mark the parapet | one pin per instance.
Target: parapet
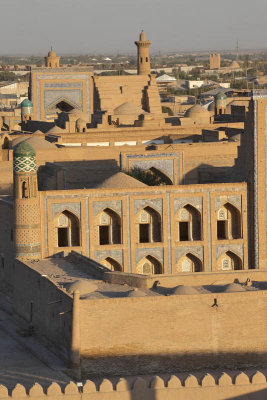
(222, 385)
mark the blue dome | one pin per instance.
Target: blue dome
(26, 103)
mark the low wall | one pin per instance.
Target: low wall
(44, 305)
(240, 387)
(147, 281)
(160, 334)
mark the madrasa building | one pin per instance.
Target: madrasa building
(72, 183)
(134, 245)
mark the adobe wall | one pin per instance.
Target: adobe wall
(207, 387)
(40, 302)
(157, 334)
(7, 249)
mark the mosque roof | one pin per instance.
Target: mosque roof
(52, 54)
(196, 110)
(55, 129)
(35, 141)
(24, 149)
(128, 108)
(120, 180)
(26, 103)
(184, 290)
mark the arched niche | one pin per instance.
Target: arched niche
(228, 222)
(109, 227)
(149, 265)
(112, 264)
(189, 263)
(160, 177)
(67, 229)
(149, 225)
(189, 224)
(229, 261)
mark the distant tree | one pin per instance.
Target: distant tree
(151, 177)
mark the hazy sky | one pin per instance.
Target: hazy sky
(96, 26)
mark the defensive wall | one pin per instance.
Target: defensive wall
(205, 387)
(153, 334)
(159, 334)
(44, 305)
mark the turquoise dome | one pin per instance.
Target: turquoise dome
(220, 96)
(24, 149)
(26, 103)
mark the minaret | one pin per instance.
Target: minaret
(143, 59)
(26, 112)
(27, 206)
(52, 61)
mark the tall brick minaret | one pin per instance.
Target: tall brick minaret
(143, 59)
(27, 205)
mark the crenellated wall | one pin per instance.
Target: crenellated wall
(207, 387)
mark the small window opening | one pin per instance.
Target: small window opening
(144, 233)
(63, 239)
(184, 231)
(103, 234)
(222, 230)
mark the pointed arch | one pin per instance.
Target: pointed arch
(228, 222)
(109, 227)
(68, 229)
(112, 264)
(149, 225)
(189, 223)
(149, 265)
(189, 263)
(229, 261)
(160, 177)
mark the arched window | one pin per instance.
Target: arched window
(146, 59)
(189, 224)
(68, 230)
(109, 227)
(189, 263)
(228, 223)
(149, 226)
(111, 264)
(149, 266)
(229, 262)
(24, 190)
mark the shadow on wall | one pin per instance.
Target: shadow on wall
(258, 395)
(206, 173)
(143, 364)
(75, 174)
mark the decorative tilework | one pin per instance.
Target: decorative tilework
(234, 248)
(24, 164)
(181, 202)
(165, 166)
(75, 208)
(117, 255)
(99, 206)
(156, 252)
(153, 203)
(234, 200)
(195, 250)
